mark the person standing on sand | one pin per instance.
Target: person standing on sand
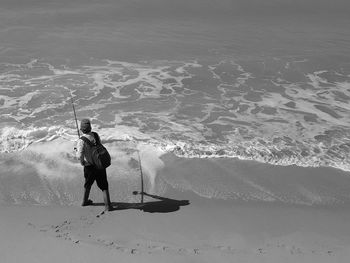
(91, 172)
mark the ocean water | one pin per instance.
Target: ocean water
(221, 80)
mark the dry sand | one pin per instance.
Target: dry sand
(203, 231)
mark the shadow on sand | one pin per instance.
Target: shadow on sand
(164, 205)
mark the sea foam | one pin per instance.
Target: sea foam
(277, 111)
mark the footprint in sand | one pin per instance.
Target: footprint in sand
(134, 251)
(63, 231)
(261, 251)
(295, 250)
(196, 251)
(230, 250)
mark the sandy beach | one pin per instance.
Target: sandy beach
(182, 228)
(197, 233)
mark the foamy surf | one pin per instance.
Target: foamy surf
(47, 172)
(276, 111)
(293, 111)
(280, 151)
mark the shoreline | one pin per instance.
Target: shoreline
(234, 179)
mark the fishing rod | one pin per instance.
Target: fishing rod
(75, 115)
(142, 193)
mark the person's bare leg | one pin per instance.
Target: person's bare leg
(107, 201)
(86, 200)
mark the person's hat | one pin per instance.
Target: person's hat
(85, 125)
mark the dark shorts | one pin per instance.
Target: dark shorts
(91, 174)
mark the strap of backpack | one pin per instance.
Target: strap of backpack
(97, 139)
(87, 140)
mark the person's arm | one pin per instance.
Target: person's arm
(80, 151)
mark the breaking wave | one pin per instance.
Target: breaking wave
(336, 156)
(278, 151)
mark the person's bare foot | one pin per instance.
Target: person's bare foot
(109, 208)
(86, 203)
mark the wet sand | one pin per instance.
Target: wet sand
(203, 231)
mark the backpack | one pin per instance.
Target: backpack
(98, 154)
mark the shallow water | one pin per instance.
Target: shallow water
(267, 81)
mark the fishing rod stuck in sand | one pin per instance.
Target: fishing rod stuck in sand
(141, 174)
